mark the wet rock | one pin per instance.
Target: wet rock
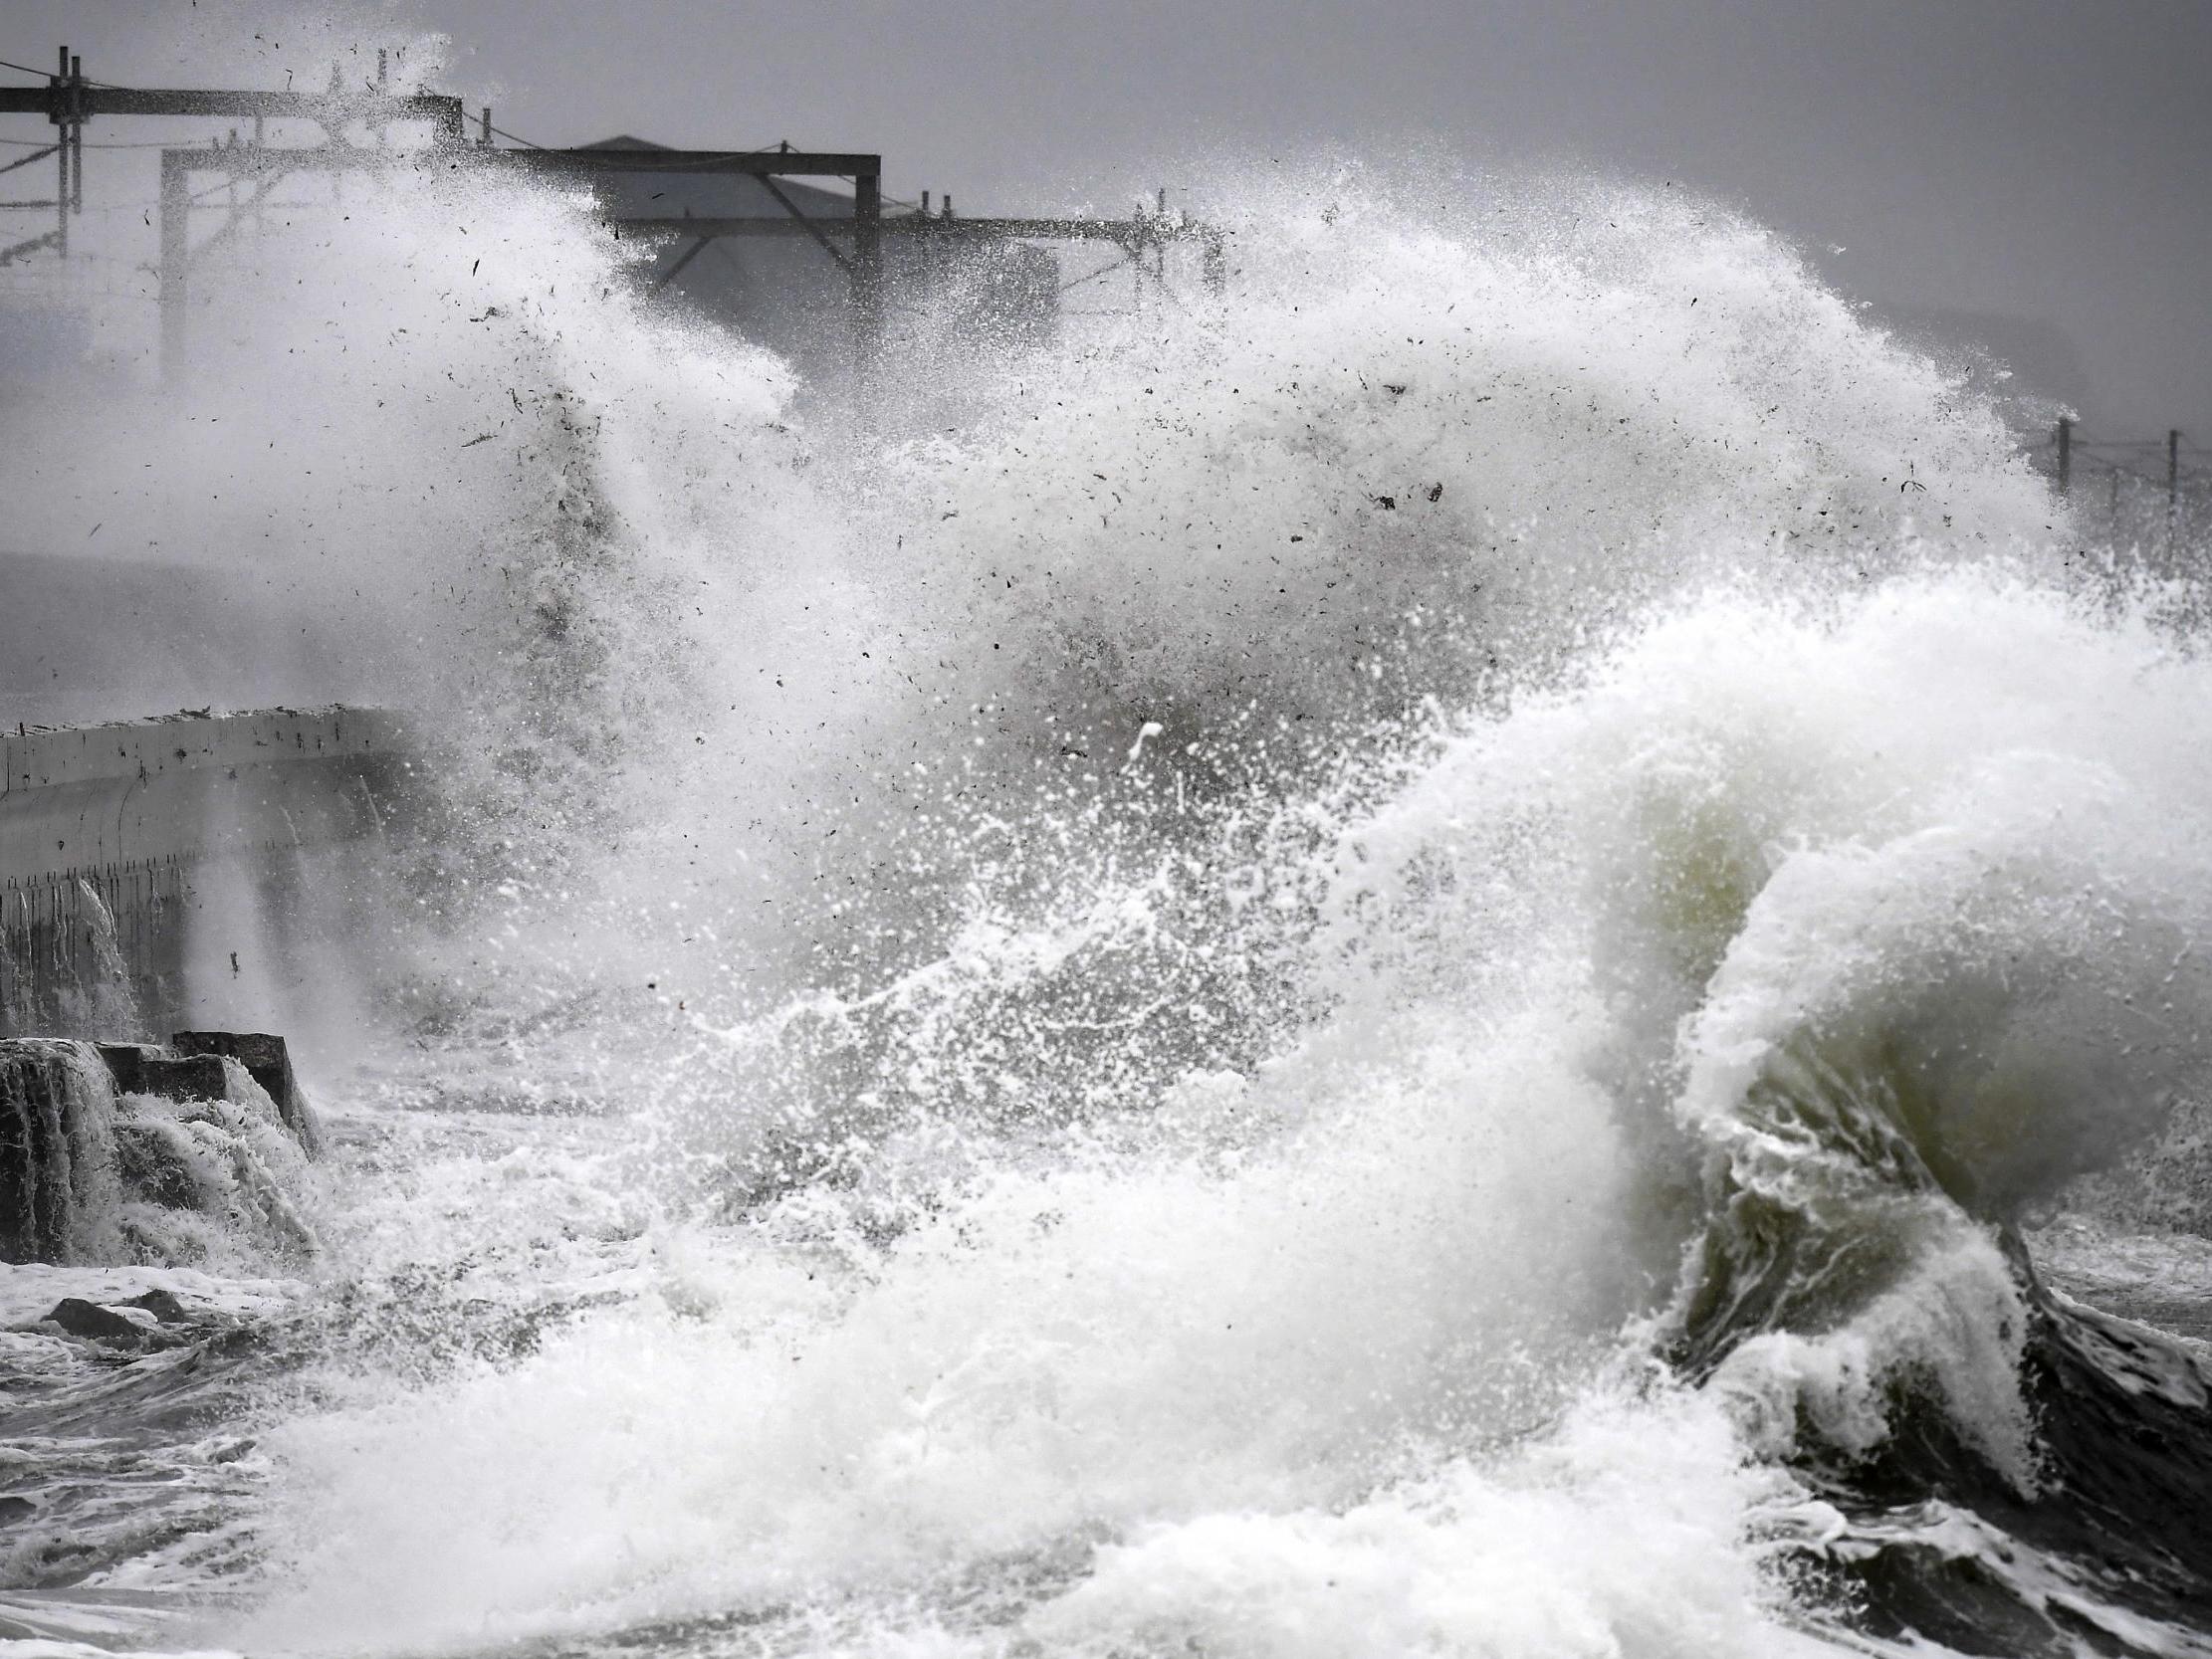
(93, 1134)
(77, 1318)
(57, 1150)
(161, 1304)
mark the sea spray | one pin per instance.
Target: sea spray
(682, 624)
(1386, 1245)
(1351, 1207)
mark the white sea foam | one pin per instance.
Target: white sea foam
(1278, 1329)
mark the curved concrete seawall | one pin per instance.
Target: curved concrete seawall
(113, 838)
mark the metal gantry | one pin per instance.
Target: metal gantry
(70, 100)
(264, 165)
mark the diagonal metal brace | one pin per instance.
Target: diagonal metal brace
(26, 160)
(8, 256)
(814, 230)
(264, 185)
(683, 258)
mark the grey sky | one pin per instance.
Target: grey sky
(2043, 161)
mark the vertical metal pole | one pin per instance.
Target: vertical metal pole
(2173, 483)
(175, 250)
(484, 136)
(2065, 453)
(64, 104)
(867, 270)
(77, 134)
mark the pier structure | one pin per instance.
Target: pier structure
(112, 836)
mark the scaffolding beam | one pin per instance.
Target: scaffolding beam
(758, 163)
(68, 102)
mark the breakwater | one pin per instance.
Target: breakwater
(117, 840)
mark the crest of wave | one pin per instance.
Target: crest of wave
(685, 623)
(1321, 1332)
(1925, 865)
(1409, 442)
(1341, 1310)
(1407, 455)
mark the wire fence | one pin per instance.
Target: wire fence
(2153, 493)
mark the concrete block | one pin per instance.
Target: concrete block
(127, 1062)
(189, 1077)
(268, 1061)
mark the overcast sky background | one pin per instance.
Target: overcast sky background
(2016, 159)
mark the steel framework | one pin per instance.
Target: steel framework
(264, 165)
(70, 98)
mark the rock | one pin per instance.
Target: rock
(78, 1318)
(58, 1184)
(162, 1305)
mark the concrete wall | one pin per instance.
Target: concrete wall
(108, 835)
